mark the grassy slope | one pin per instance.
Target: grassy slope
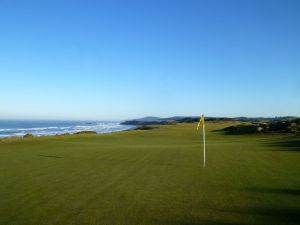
(151, 177)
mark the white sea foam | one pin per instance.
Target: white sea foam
(60, 128)
(5, 130)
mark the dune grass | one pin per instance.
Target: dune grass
(151, 177)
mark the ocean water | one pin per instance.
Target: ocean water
(18, 128)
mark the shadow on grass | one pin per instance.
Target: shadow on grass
(197, 222)
(288, 144)
(208, 222)
(278, 215)
(238, 130)
(224, 132)
(51, 156)
(268, 214)
(275, 191)
(258, 215)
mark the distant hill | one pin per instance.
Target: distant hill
(148, 118)
(151, 120)
(159, 121)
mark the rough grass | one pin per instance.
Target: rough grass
(151, 177)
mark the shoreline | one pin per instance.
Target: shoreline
(83, 132)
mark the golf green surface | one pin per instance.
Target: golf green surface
(151, 177)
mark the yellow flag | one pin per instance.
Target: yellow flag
(201, 121)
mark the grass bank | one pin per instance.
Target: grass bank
(151, 177)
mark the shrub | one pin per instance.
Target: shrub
(28, 136)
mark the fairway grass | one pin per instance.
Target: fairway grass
(151, 177)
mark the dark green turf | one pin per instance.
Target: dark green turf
(151, 177)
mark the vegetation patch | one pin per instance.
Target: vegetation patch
(28, 136)
(144, 127)
(86, 132)
(281, 126)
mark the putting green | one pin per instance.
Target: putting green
(151, 177)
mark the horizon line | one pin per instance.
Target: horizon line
(160, 117)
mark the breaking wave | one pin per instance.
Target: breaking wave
(43, 128)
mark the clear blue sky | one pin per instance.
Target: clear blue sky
(127, 59)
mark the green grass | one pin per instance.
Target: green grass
(151, 177)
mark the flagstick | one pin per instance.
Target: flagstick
(203, 145)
